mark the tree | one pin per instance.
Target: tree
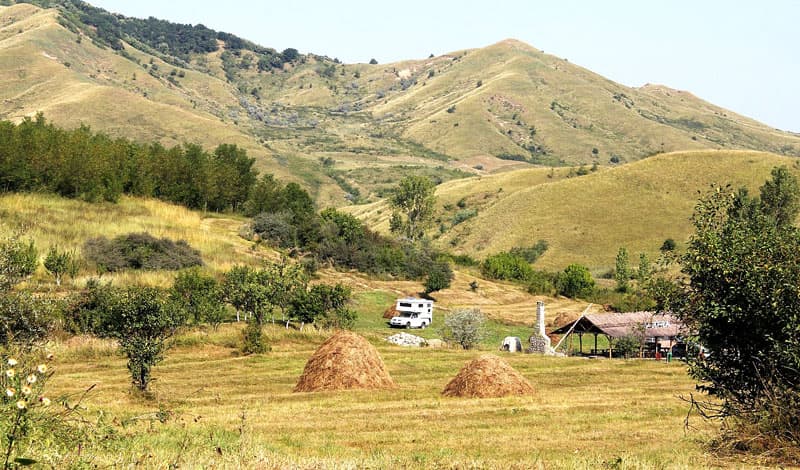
(741, 297)
(59, 263)
(622, 272)
(142, 321)
(373, 62)
(290, 54)
(200, 295)
(18, 260)
(645, 270)
(415, 198)
(780, 196)
(439, 277)
(465, 326)
(323, 305)
(575, 281)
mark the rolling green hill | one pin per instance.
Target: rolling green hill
(346, 131)
(587, 218)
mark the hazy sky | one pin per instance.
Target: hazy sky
(742, 55)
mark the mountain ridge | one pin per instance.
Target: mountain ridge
(338, 128)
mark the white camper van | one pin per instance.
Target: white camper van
(414, 313)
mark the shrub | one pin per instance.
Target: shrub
(506, 266)
(668, 245)
(140, 251)
(26, 320)
(439, 277)
(451, 109)
(373, 62)
(542, 283)
(628, 346)
(575, 281)
(531, 253)
(466, 327)
(253, 339)
(463, 215)
(18, 260)
(276, 228)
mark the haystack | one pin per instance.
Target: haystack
(345, 361)
(391, 312)
(487, 376)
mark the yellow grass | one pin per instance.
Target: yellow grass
(232, 411)
(587, 219)
(67, 224)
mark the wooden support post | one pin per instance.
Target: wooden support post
(580, 342)
(595, 343)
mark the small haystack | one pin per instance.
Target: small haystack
(485, 377)
(345, 361)
(391, 312)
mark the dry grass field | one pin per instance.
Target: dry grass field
(223, 410)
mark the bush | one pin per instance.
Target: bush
(506, 266)
(466, 327)
(463, 215)
(531, 253)
(253, 339)
(542, 283)
(668, 245)
(628, 346)
(276, 228)
(439, 277)
(59, 263)
(26, 320)
(575, 281)
(140, 251)
(18, 260)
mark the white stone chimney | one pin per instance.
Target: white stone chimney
(540, 318)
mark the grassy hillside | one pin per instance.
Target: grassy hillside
(340, 129)
(67, 224)
(586, 219)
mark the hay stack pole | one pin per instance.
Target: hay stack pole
(346, 361)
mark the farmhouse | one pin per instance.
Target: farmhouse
(662, 331)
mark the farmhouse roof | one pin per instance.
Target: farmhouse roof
(617, 325)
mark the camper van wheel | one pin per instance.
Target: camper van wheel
(408, 325)
(424, 324)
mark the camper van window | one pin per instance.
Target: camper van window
(404, 304)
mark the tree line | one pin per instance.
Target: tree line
(39, 157)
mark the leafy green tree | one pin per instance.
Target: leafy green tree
(780, 197)
(414, 197)
(742, 299)
(622, 272)
(200, 295)
(575, 281)
(323, 305)
(59, 263)
(645, 270)
(18, 260)
(439, 277)
(142, 321)
(506, 266)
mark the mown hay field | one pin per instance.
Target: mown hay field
(224, 410)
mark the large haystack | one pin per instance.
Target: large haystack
(487, 376)
(345, 361)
